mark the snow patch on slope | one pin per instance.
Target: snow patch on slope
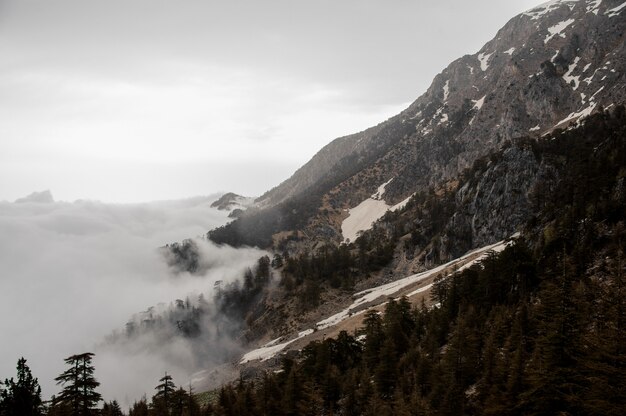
(568, 76)
(478, 104)
(615, 10)
(594, 6)
(484, 60)
(446, 90)
(364, 215)
(557, 29)
(578, 115)
(270, 349)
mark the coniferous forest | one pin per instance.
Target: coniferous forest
(538, 329)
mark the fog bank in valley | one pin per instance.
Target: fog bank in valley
(74, 272)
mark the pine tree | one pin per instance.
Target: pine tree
(21, 397)
(79, 386)
(163, 400)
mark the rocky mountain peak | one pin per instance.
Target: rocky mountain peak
(546, 69)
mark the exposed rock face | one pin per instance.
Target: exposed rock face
(547, 68)
(494, 204)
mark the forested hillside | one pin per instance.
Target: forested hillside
(537, 329)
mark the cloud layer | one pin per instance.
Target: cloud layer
(74, 272)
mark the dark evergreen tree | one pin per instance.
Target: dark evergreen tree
(79, 386)
(21, 397)
(163, 401)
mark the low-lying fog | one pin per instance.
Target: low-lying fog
(74, 272)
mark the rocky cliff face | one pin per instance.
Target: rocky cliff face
(546, 69)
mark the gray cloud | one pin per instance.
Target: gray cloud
(74, 272)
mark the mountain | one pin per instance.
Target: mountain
(532, 325)
(525, 138)
(546, 69)
(471, 162)
(462, 257)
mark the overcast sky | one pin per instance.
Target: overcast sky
(134, 100)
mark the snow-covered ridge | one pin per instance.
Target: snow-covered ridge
(537, 12)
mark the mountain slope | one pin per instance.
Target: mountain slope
(545, 69)
(534, 328)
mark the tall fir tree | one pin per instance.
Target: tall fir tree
(79, 393)
(163, 400)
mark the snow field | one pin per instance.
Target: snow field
(364, 215)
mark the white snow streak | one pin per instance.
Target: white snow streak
(578, 115)
(595, 93)
(381, 190)
(568, 76)
(401, 204)
(555, 55)
(510, 51)
(270, 349)
(588, 80)
(557, 29)
(478, 104)
(594, 6)
(484, 60)
(615, 10)
(446, 90)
